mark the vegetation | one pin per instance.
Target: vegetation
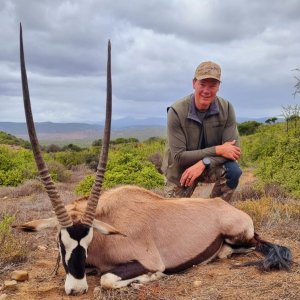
(275, 154)
(12, 250)
(297, 85)
(129, 164)
(271, 120)
(16, 165)
(270, 211)
(9, 139)
(273, 151)
(248, 127)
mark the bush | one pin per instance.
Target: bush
(275, 153)
(248, 127)
(84, 187)
(130, 168)
(58, 171)
(67, 158)
(12, 250)
(16, 165)
(53, 148)
(126, 165)
(9, 139)
(71, 148)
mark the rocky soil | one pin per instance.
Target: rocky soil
(220, 279)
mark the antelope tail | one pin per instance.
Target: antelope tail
(276, 257)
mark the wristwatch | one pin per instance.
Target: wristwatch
(206, 162)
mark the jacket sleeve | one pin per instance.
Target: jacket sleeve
(230, 133)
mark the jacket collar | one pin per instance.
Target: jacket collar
(192, 113)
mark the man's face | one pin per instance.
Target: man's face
(205, 92)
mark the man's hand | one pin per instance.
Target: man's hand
(229, 150)
(191, 173)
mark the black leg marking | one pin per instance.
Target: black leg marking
(129, 270)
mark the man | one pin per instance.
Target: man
(203, 140)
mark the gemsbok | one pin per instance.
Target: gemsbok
(135, 235)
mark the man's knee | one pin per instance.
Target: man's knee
(233, 174)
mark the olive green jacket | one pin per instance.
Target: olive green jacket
(185, 131)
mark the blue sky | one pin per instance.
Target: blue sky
(156, 46)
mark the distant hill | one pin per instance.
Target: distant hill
(85, 134)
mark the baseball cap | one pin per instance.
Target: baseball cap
(208, 69)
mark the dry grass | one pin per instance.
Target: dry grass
(269, 211)
(248, 191)
(267, 205)
(26, 189)
(13, 249)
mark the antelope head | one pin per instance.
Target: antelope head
(74, 237)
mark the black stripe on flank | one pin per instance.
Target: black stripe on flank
(208, 253)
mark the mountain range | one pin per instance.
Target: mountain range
(49, 132)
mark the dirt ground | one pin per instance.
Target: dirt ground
(220, 279)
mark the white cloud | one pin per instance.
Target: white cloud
(156, 45)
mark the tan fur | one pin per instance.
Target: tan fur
(160, 233)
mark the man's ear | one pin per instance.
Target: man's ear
(193, 82)
(105, 228)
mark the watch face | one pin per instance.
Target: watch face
(206, 161)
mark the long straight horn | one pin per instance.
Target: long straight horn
(58, 206)
(90, 212)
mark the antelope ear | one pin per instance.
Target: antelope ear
(37, 225)
(105, 228)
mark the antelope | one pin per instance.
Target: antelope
(135, 235)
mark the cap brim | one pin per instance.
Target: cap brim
(207, 77)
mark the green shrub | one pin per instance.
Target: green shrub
(58, 171)
(83, 188)
(9, 139)
(276, 156)
(16, 165)
(249, 127)
(126, 165)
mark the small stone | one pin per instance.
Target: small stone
(43, 248)
(10, 284)
(20, 275)
(3, 296)
(137, 286)
(197, 283)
